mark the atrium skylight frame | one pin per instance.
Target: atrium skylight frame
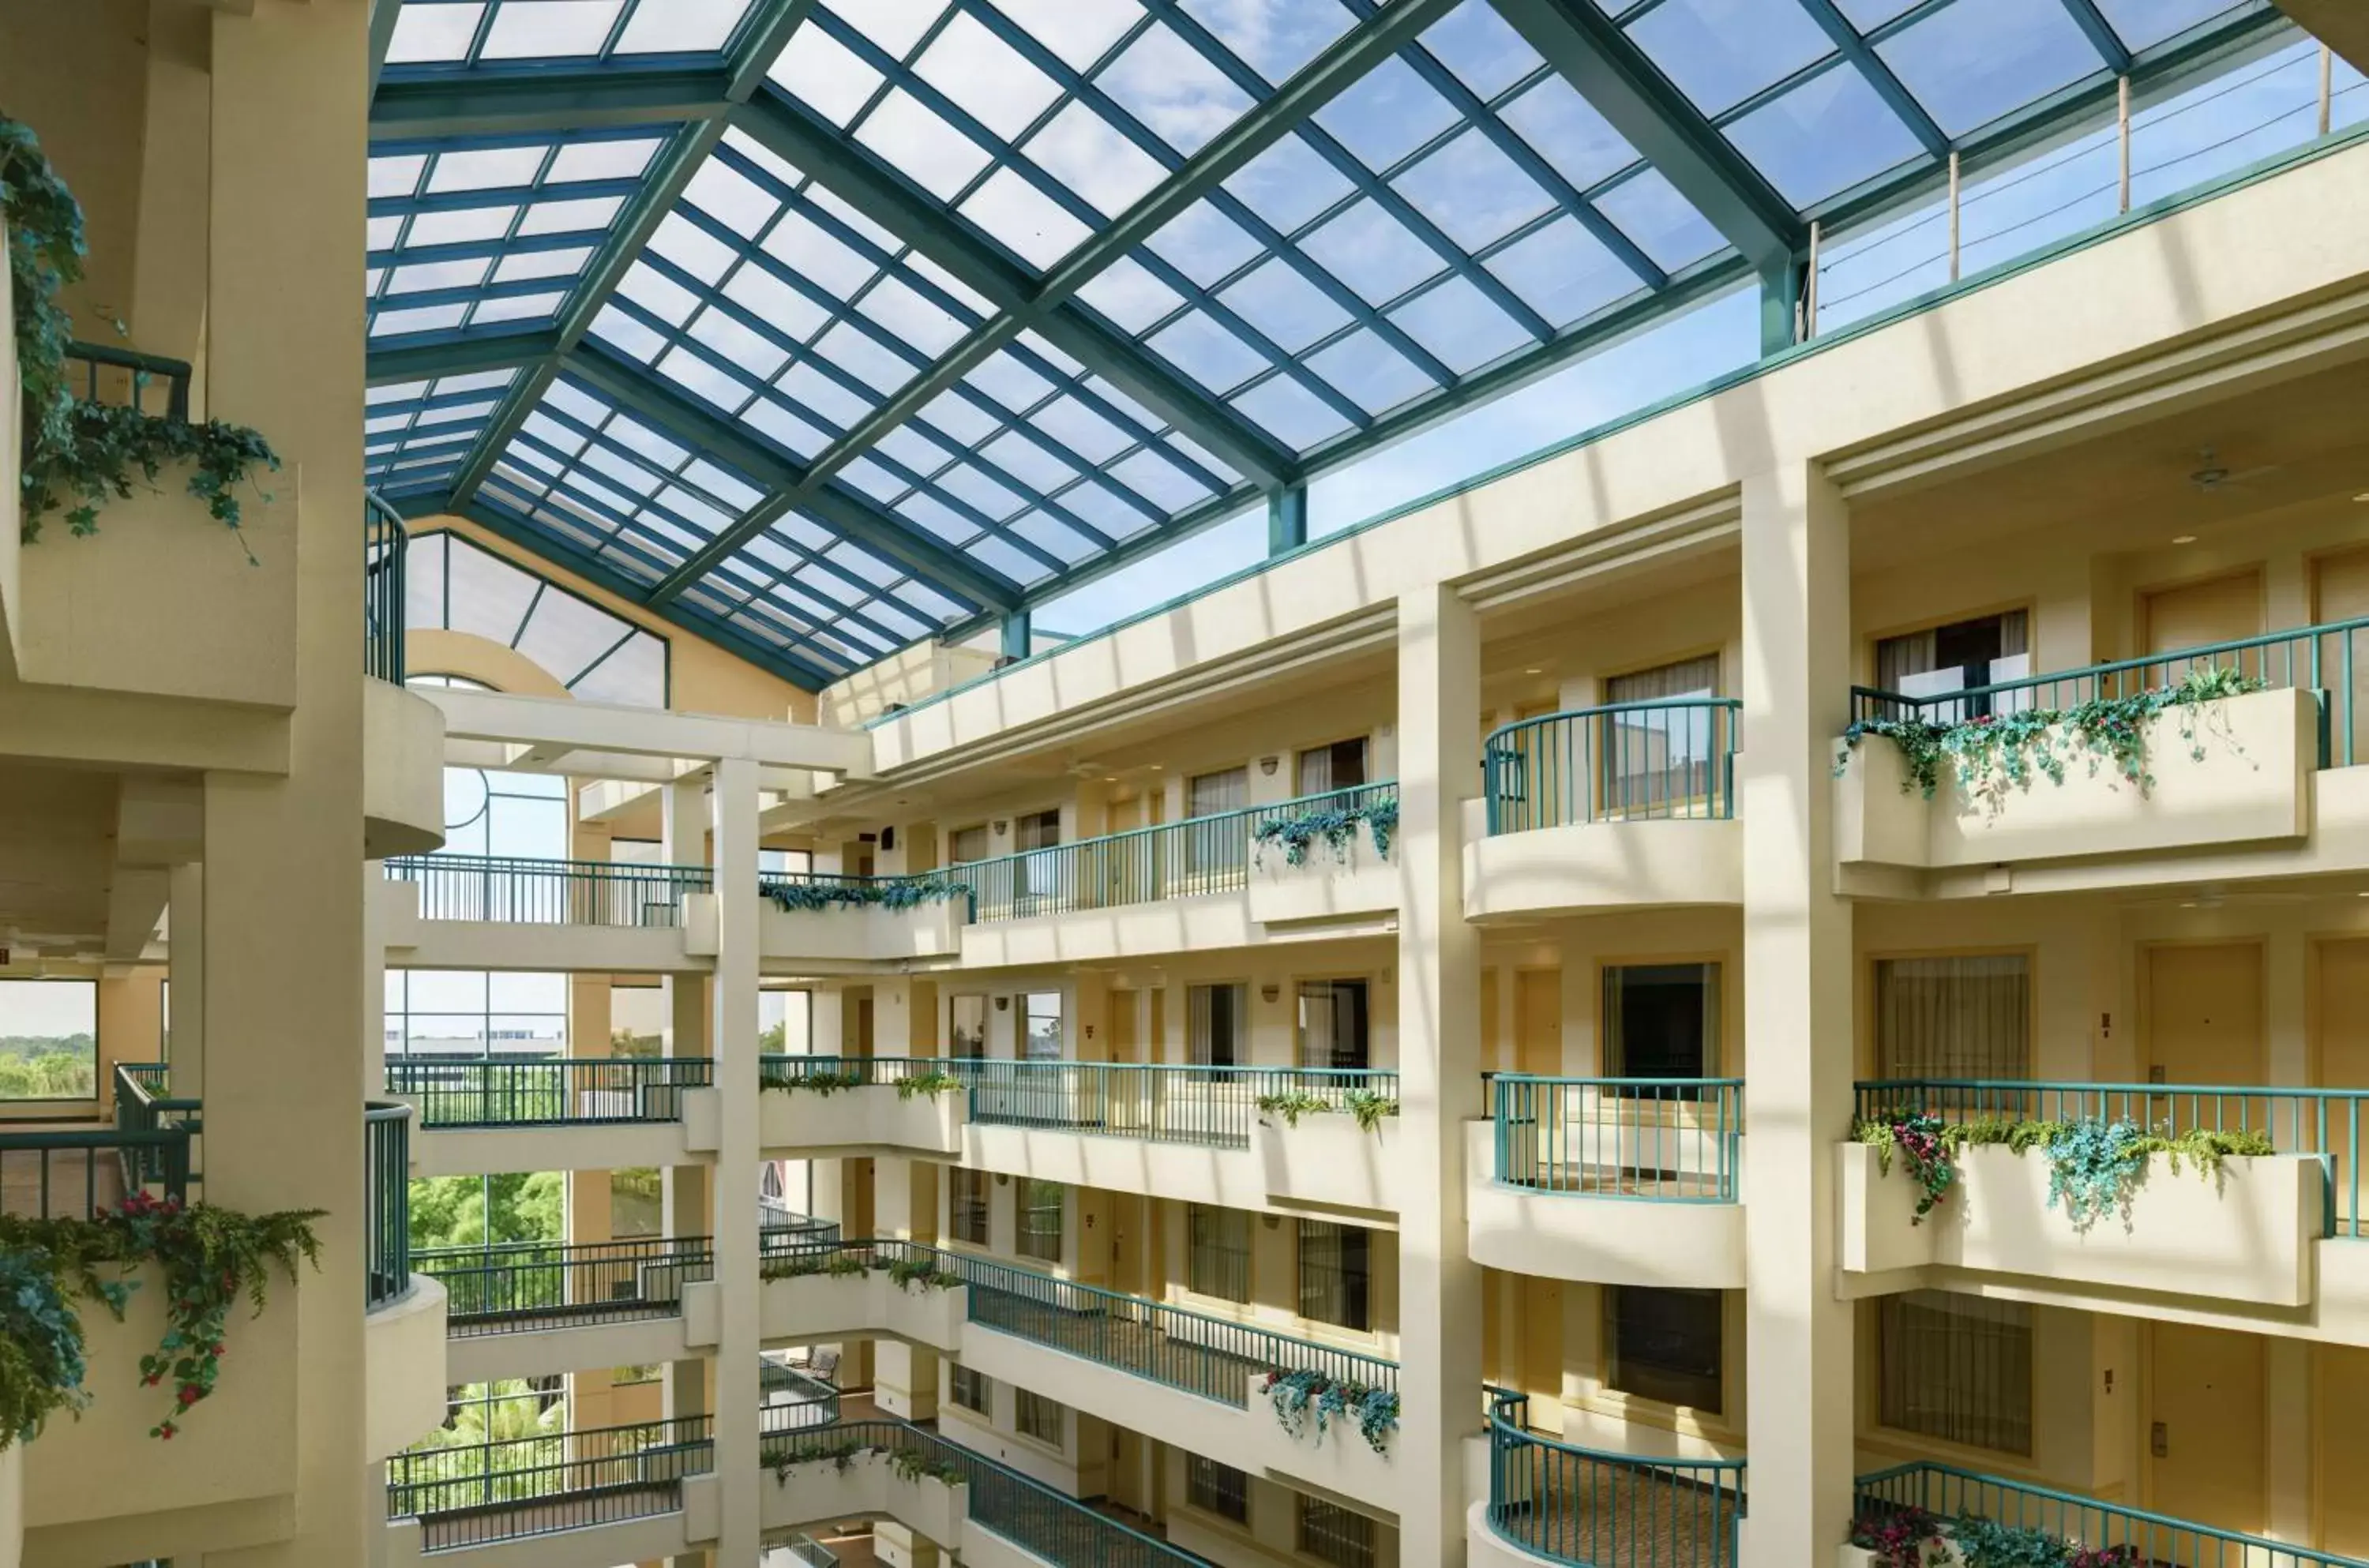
(614, 35)
(416, 435)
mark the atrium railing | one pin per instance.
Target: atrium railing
(2323, 659)
(385, 544)
(518, 1287)
(800, 890)
(130, 380)
(2325, 1122)
(386, 1201)
(65, 1174)
(1145, 866)
(806, 1549)
(1672, 1139)
(778, 1227)
(546, 1091)
(522, 890)
(1158, 1102)
(1947, 1493)
(1047, 1524)
(1672, 758)
(1596, 1510)
(144, 1103)
(479, 1492)
(793, 1400)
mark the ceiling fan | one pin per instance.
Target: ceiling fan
(2212, 476)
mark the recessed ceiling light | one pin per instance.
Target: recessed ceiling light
(1110, 778)
(2184, 539)
(1534, 669)
(2364, 495)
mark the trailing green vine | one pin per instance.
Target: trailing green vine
(41, 1365)
(931, 1083)
(841, 1453)
(210, 1257)
(1334, 825)
(1368, 1107)
(814, 1082)
(2095, 1165)
(79, 454)
(1992, 753)
(894, 893)
(1304, 1400)
(910, 1274)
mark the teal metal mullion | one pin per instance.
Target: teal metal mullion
(2101, 34)
(1853, 48)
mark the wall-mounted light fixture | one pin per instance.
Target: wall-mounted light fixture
(1267, 766)
(1270, 991)
(1272, 1221)
(1004, 1004)
(999, 828)
(1003, 1179)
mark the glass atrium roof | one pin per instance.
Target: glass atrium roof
(825, 326)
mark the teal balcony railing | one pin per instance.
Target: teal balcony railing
(780, 1229)
(71, 1175)
(475, 1493)
(1672, 758)
(795, 890)
(806, 1550)
(1947, 1493)
(386, 1205)
(1146, 865)
(144, 1103)
(385, 544)
(793, 1400)
(2325, 1122)
(520, 1286)
(1608, 1510)
(1671, 1139)
(526, 891)
(1159, 1103)
(546, 1091)
(2326, 660)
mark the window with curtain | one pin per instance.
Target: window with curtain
(1036, 830)
(967, 843)
(1036, 1416)
(1040, 1037)
(1217, 1026)
(974, 1391)
(1334, 1534)
(1663, 1346)
(1341, 765)
(966, 1026)
(1221, 848)
(1217, 1489)
(1956, 1367)
(1977, 652)
(1658, 761)
(1336, 1274)
(1661, 1021)
(1955, 1016)
(1207, 794)
(1218, 1254)
(1334, 1024)
(966, 1218)
(1037, 1207)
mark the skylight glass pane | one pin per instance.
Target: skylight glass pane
(922, 146)
(1031, 224)
(1208, 352)
(895, 25)
(1824, 136)
(1473, 192)
(1660, 222)
(1080, 31)
(1563, 272)
(1460, 326)
(1129, 295)
(1288, 184)
(1387, 113)
(1373, 253)
(1486, 54)
(545, 29)
(432, 33)
(1274, 37)
(1089, 155)
(1968, 63)
(2143, 24)
(986, 77)
(825, 74)
(681, 26)
(1292, 312)
(1204, 244)
(1722, 51)
(1173, 90)
(1376, 375)
(1567, 132)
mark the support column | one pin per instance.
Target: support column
(1440, 1070)
(733, 1029)
(185, 973)
(1014, 642)
(1287, 520)
(1797, 1016)
(1781, 304)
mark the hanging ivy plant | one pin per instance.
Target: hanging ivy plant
(1305, 1401)
(1368, 1107)
(1994, 753)
(2095, 1166)
(893, 893)
(210, 1256)
(78, 454)
(41, 1365)
(1334, 825)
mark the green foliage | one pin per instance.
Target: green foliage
(1898, 1537)
(1336, 826)
(908, 1273)
(58, 1069)
(41, 1365)
(476, 1211)
(931, 1083)
(210, 1256)
(1368, 1107)
(841, 1452)
(789, 1080)
(912, 1464)
(819, 1261)
(895, 893)
(1303, 1399)
(2095, 1166)
(1292, 1105)
(79, 453)
(1911, 1537)
(1994, 753)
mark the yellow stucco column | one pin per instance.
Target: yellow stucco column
(733, 1032)
(185, 974)
(1797, 1016)
(1440, 1070)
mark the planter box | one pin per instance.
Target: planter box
(1600, 865)
(820, 1308)
(2251, 784)
(1328, 1158)
(1604, 1239)
(824, 1491)
(808, 1123)
(862, 933)
(2250, 1234)
(1329, 884)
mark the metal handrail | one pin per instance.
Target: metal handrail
(2323, 1122)
(536, 1090)
(386, 1205)
(386, 545)
(1143, 865)
(528, 891)
(518, 1287)
(1591, 1507)
(1672, 758)
(2274, 658)
(1946, 1492)
(164, 1151)
(140, 1107)
(145, 370)
(844, 890)
(550, 1482)
(1664, 1139)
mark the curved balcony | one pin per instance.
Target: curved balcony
(1615, 1181)
(402, 1339)
(1627, 806)
(1551, 1502)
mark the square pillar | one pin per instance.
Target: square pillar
(1797, 1016)
(733, 1031)
(185, 974)
(1440, 1070)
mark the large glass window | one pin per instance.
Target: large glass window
(1957, 1016)
(966, 1218)
(1217, 1025)
(1334, 1024)
(1956, 1367)
(1336, 1274)
(1207, 794)
(967, 843)
(1218, 1259)
(974, 1391)
(1664, 1346)
(49, 1039)
(1659, 762)
(1034, 1415)
(1341, 765)
(1038, 1206)
(1217, 1489)
(460, 1013)
(1041, 1038)
(1661, 1021)
(967, 1030)
(1334, 1534)
(1978, 652)
(456, 584)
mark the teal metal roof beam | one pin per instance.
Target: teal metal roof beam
(588, 99)
(1596, 58)
(460, 356)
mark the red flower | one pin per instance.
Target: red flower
(189, 1395)
(167, 1431)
